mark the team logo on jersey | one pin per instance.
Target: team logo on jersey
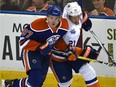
(73, 31)
(51, 40)
(34, 61)
(64, 77)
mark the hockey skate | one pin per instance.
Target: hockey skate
(7, 83)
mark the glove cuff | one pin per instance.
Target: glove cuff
(90, 52)
(43, 46)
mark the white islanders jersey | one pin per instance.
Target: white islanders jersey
(73, 33)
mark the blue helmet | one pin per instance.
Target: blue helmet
(54, 10)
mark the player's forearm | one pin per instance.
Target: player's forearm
(30, 45)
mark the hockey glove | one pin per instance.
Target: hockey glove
(44, 49)
(89, 52)
(87, 25)
(73, 53)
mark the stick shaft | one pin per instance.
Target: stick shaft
(80, 57)
(97, 39)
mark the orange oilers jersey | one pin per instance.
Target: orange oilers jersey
(39, 32)
(104, 12)
(107, 12)
(33, 8)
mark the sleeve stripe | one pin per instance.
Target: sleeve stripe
(85, 18)
(24, 44)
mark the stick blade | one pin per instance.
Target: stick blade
(112, 64)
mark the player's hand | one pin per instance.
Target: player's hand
(90, 52)
(45, 49)
(72, 57)
(87, 25)
(73, 53)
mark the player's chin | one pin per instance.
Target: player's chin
(53, 25)
(76, 23)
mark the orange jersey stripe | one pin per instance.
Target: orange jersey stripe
(32, 45)
(41, 21)
(26, 61)
(108, 11)
(44, 25)
(64, 23)
(61, 45)
(57, 58)
(33, 8)
(23, 82)
(105, 11)
(51, 66)
(85, 17)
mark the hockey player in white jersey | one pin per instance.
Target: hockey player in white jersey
(74, 16)
(61, 65)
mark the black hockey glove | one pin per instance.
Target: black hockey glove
(87, 25)
(89, 52)
(73, 53)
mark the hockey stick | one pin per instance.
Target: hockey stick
(79, 57)
(109, 56)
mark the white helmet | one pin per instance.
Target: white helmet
(73, 9)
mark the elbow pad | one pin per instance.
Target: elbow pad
(89, 52)
(86, 24)
(44, 49)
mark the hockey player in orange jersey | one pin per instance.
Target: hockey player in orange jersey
(62, 65)
(36, 42)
